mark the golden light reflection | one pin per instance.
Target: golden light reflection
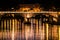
(5, 25)
(59, 32)
(28, 32)
(43, 32)
(46, 31)
(13, 30)
(39, 32)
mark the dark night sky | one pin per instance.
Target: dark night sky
(43, 3)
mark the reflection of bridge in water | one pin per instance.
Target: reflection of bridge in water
(37, 27)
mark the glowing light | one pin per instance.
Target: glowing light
(27, 30)
(32, 34)
(13, 31)
(43, 32)
(25, 19)
(46, 31)
(55, 19)
(12, 8)
(40, 30)
(13, 15)
(59, 32)
(5, 25)
(28, 15)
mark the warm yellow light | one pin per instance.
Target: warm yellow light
(59, 32)
(55, 19)
(58, 12)
(5, 25)
(36, 10)
(28, 15)
(46, 31)
(13, 31)
(13, 15)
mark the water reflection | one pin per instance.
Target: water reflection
(13, 29)
(30, 34)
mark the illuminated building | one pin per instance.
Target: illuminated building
(29, 26)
